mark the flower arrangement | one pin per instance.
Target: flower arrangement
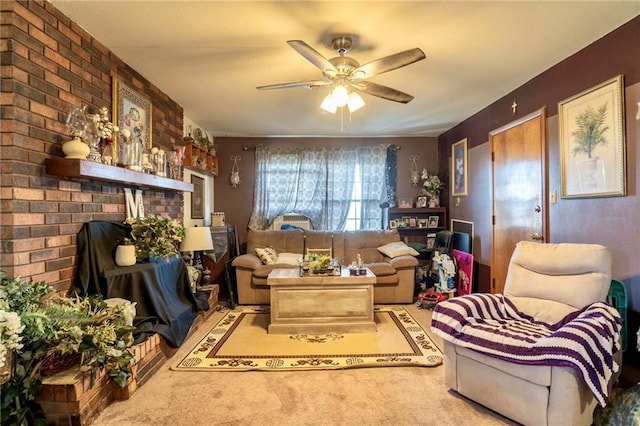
(155, 236)
(105, 127)
(431, 183)
(40, 331)
(319, 262)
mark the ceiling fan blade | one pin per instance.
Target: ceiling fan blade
(388, 63)
(313, 56)
(306, 84)
(383, 92)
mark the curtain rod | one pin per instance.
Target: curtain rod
(253, 147)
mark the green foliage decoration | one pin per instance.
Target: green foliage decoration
(53, 329)
(156, 236)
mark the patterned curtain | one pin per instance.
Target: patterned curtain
(372, 161)
(341, 164)
(318, 183)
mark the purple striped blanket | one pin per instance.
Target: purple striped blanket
(584, 340)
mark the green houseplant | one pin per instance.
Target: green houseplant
(53, 331)
(156, 236)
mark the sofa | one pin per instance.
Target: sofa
(395, 272)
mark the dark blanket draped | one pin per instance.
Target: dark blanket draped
(165, 303)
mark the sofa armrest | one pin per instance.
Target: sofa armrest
(247, 261)
(402, 262)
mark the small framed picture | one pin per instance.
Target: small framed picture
(431, 241)
(433, 221)
(405, 203)
(393, 224)
(422, 223)
(412, 222)
(421, 202)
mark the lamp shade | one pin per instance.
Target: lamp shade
(340, 95)
(329, 105)
(197, 239)
(355, 102)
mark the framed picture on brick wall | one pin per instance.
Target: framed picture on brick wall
(131, 112)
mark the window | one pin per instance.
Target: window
(353, 216)
(338, 188)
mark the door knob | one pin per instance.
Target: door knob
(537, 237)
(538, 209)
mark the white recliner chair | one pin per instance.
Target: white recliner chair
(546, 281)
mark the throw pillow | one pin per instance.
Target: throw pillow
(267, 255)
(289, 259)
(396, 249)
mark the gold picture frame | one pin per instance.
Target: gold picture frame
(459, 169)
(592, 142)
(131, 111)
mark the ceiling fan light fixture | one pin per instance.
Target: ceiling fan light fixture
(340, 95)
(328, 104)
(355, 102)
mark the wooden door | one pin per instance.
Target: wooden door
(519, 186)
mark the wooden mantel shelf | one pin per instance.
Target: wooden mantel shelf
(69, 167)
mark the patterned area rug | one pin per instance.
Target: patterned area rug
(240, 342)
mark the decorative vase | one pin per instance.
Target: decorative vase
(126, 255)
(75, 148)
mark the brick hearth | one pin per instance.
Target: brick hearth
(68, 398)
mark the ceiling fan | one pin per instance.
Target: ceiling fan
(346, 76)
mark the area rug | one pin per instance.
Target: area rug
(240, 342)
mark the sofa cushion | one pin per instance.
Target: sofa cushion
(366, 243)
(293, 259)
(573, 274)
(267, 255)
(396, 249)
(381, 269)
(286, 241)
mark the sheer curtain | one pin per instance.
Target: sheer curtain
(318, 182)
(372, 161)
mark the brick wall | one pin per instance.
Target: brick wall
(50, 65)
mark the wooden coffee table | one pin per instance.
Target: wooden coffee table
(321, 303)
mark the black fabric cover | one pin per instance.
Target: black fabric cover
(160, 287)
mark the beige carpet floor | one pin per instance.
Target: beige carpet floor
(366, 396)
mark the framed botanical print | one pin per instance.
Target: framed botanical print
(459, 182)
(592, 144)
(132, 113)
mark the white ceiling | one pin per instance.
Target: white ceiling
(209, 56)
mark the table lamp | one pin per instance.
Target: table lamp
(196, 240)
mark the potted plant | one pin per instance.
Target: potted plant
(155, 236)
(432, 185)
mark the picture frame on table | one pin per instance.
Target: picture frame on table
(433, 221)
(592, 142)
(197, 197)
(422, 223)
(131, 111)
(412, 222)
(421, 202)
(405, 203)
(393, 224)
(459, 165)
